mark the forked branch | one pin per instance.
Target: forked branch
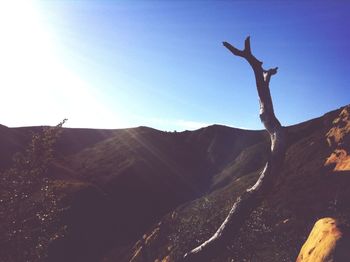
(262, 78)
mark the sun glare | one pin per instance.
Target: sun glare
(36, 86)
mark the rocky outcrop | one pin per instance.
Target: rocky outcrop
(328, 241)
(338, 137)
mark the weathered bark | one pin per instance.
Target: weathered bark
(253, 196)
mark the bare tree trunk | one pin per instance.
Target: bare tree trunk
(253, 196)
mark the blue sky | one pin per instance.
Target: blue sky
(113, 64)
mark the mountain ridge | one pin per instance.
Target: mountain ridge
(120, 182)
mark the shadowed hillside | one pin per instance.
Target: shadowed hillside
(310, 187)
(117, 183)
(144, 194)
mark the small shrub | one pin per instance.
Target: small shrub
(29, 206)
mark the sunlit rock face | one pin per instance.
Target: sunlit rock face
(327, 242)
(338, 138)
(341, 159)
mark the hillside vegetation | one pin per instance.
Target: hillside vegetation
(141, 194)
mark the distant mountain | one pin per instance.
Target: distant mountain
(141, 194)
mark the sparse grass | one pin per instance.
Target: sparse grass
(275, 231)
(113, 185)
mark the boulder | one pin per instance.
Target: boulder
(328, 242)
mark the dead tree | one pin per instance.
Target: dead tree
(253, 196)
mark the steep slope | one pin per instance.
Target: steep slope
(116, 183)
(146, 173)
(310, 186)
(171, 191)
